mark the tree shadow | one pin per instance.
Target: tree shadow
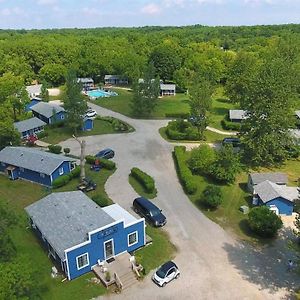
(220, 111)
(266, 265)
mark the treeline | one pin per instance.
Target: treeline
(176, 51)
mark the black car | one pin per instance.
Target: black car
(106, 153)
(149, 211)
(235, 142)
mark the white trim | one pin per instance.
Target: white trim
(67, 265)
(137, 238)
(88, 260)
(133, 223)
(145, 240)
(61, 170)
(113, 248)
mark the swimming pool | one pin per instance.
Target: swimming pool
(100, 93)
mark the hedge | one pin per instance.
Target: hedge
(144, 179)
(184, 173)
(100, 200)
(90, 159)
(105, 163)
(191, 134)
(55, 149)
(227, 125)
(61, 181)
(177, 115)
(75, 173)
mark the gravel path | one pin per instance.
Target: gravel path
(213, 264)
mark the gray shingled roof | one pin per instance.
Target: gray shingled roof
(276, 177)
(268, 191)
(34, 89)
(29, 124)
(237, 114)
(66, 218)
(85, 80)
(32, 159)
(46, 109)
(165, 86)
(112, 77)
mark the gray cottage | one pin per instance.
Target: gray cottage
(34, 90)
(87, 83)
(115, 80)
(29, 127)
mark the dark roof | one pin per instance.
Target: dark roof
(112, 77)
(168, 265)
(66, 218)
(32, 159)
(276, 177)
(47, 110)
(268, 191)
(29, 124)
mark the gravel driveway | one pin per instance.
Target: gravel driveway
(212, 263)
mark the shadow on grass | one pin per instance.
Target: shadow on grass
(219, 111)
(223, 100)
(266, 265)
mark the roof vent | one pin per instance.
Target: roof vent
(42, 159)
(21, 154)
(68, 217)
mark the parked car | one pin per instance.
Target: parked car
(87, 185)
(149, 211)
(90, 113)
(106, 153)
(235, 142)
(165, 273)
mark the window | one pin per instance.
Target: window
(42, 175)
(132, 238)
(61, 171)
(62, 117)
(82, 261)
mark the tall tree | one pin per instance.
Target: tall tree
(200, 102)
(44, 91)
(145, 93)
(74, 103)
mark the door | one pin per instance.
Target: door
(109, 249)
(170, 275)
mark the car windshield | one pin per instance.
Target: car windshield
(155, 212)
(161, 273)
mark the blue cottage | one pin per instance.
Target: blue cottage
(88, 124)
(278, 198)
(49, 113)
(32, 102)
(79, 234)
(29, 127)
(34, 165)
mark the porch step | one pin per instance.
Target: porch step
(128, 280)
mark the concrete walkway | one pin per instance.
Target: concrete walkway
(221, 131)
(213, 264)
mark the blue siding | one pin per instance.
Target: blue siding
(30, 104)
(41, 117)
(66, 165)
(27, 133)
(284, 206)
(59, 117)
(88, 125)
(95, 248)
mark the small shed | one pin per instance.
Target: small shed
(167, 89)
(237, 115)
(88, 124)
(87, 83)
(29, 127)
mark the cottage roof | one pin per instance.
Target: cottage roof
(237, 114)
(268, 191)
(34, 89)
(66, 218)
(295, 133)
(297, 113)
(167, 86)
(276, 177)
(112, 76)
(117, 213)
(85, 80)
(29, 124)
(32, 159)
(46, 109)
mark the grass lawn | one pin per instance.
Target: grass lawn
(56, 135)
(160, 251)
(18, 194)
(140, 189)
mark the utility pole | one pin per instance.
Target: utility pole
(82, 155)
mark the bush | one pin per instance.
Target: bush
(75, 173)
(263, 221)
(184, 173)
(55, 149)
(144, 179)
(228, 125)
(107, 164)
(61, 181)
(90, 159)
(177, 115)
(212, 196)
(67, 150)
(100, 200)
(182, 130)
(42, 134)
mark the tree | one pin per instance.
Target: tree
(201, 159)
(53, 73)
(264, 222)
(145, 93)
(74, 103)
(45, 92)
(226, 166)
(200, 102)
(212, 196)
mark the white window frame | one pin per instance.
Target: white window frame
(61, 171)
(137, 238)
(87, 258)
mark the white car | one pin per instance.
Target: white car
(165, 273)
(91, 113)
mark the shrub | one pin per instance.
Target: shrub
(212, 196)
(182, 130)
(67, 150)
(42, 134)
(264, 222)
(228, 125)
(90, 159)
(177, 115)
(55, 149)
(75, 173)
(144, 179)
(184, 173)
(107, 164)
(100, 200)
(61, 181)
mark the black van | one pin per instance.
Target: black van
(235, 142)
(149, 211)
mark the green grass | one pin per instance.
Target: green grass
(56, 135)
(19, 194)
(140, 189)
(160, 251)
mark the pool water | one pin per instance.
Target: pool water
(100, 93)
